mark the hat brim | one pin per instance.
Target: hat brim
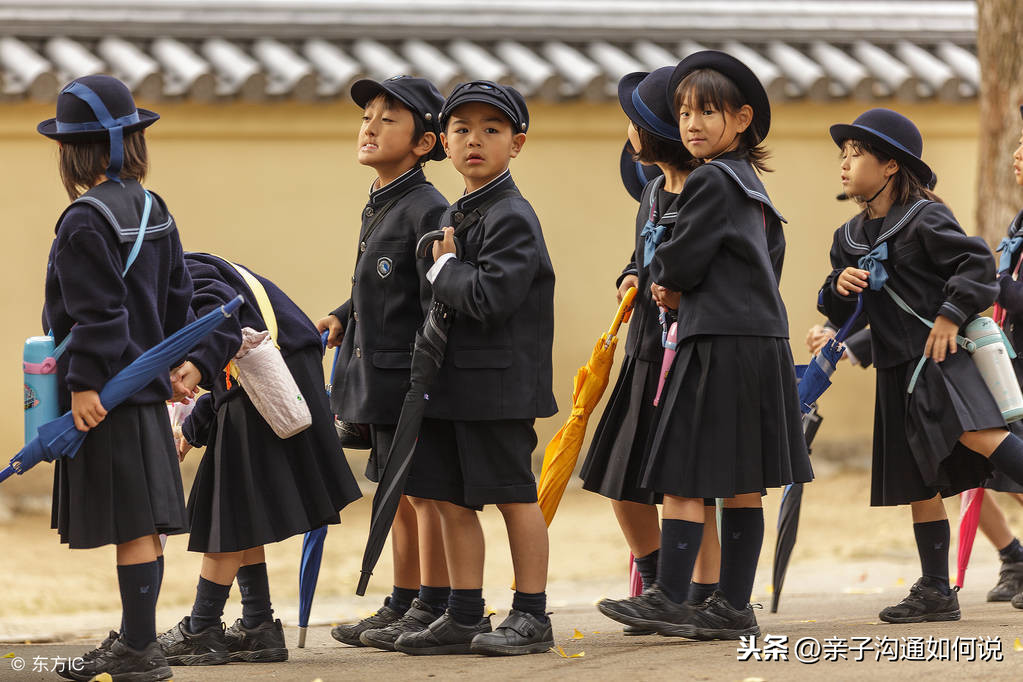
(626, 86)
(635, 175)
(366, 90)
(512, 116)
(740, 74)
(49, 129)
(840, 132)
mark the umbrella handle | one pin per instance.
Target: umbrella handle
(624, 311)
(844, 331)
(363, 583)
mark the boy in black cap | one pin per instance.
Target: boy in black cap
(376, 328)
(476, 443)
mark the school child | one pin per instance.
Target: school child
(123, 487)
(376, 328)
(612, 467)
(729, 424)
(936, 424)
(251, 488)
(476, 442)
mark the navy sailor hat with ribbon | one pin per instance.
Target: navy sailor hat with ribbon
(642, 96)
(97, 108)
(890, 132)
(418, 94)
(506, 98)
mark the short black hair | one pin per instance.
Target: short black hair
(418, 124)
(656, 149)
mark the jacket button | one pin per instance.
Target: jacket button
(369, 211)
(458, 216)
(358, 352)
(362, 247)
(355, 316)
(353, 279)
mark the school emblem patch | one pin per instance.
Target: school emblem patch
(384, 267)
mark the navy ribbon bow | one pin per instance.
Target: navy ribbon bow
(653, 235)
(1008, 247)
(873, 263)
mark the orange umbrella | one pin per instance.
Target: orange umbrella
(562, 452)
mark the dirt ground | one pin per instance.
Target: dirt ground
(850, 561)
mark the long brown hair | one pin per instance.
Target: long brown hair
(905, 185)
(81, 163)
(707, 87)
(656, 149)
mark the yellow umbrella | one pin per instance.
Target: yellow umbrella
(562, 452)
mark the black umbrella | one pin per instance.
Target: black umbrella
(788, 515)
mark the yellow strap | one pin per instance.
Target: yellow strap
(266, 310)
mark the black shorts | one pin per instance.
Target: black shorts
(474, 463)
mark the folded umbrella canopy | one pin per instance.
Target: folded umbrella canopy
(60, 438)
(561, 453)
(816, 377)
(970, 502)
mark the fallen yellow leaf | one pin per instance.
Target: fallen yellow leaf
(808, 621)
(11, 655)
(900, 581)
(102, 677)
(1016, 646)
(561, 652)
(577, 635)
(770, 589)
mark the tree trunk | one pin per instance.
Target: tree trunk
(999, 31)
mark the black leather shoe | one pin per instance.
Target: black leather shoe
(443, 636)
(112, 637)
(924, 603)
(206, 647)
(1010, 582)
(349, 633)
(261, 644)
(417, 618)
(520, 633)
(122, 664)
(651, 610)
(715, 618)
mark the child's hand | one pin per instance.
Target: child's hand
(86, 409)
(184, 378)
(664, 297)
(447, 245)
(183, 447)
(331, 324)
(942, 339)
(852, 281)
(818, 337)
(629, 282)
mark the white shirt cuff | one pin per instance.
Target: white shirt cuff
(434, 270)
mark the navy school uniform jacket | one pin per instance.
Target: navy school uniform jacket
(384, 311)
(1010, 293)
(115, 319)
(498, 359)
(932, 265)
(725, 254)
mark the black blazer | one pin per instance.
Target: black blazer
(932, 265)
(384, 311)
(725, 254)
(1010, 291)
(498, 359)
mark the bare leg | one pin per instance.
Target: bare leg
(433, 566)
(527, 536)
(221, 567)
(405, 546)
(993, 523)
(984, 442)
(683, 508)
(708, 561)
(926, 511)
(254, 555)
(640, 526)
(463, 545)
(138, 551)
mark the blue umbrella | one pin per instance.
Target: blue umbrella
(60, 438)
(816, 376)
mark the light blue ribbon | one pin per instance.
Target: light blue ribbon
(873, 263)
(653, 235)
(1008, 247)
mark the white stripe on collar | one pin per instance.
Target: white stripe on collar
(913, 210)
(487, 187)
(396, 182)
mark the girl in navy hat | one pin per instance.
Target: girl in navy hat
(116, 282)
(729, 423)
(937, 429)
(612, 467)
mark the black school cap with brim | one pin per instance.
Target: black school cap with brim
(635, 175)
(418, 94)
(749, 85)
(891, 132)
(506, 98)
(642, 96)
(94, 109)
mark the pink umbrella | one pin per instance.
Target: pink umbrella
(635, 579)
(669, 340)
(970, 502)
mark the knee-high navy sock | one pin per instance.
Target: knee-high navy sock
(210, 598)
(401, 598)
(680, 543)
(466, 606)
(1012, 552)
(932, 539)
(159, 575)
(255, 589)
(435, 597)
(1008, 457)
(742, 535)
(138, 583)
(698, 592)
(647, 567)
(533, 603)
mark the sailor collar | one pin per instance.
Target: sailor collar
(1016, 226)
(898, 217)
(740, 171)
(471, 200)
(397, 187)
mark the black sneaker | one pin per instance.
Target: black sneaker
(636, 631)
(206, 647)
(925, 603)
(417, 618)
(261, 644)
(1010, 582)
(112, 637)
(443, 636)
(520, 633)
(716, 618)
(349, 633)
(651, 610)
(122, 664)
(1017, 600)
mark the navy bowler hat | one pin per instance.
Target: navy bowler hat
(504, 97)
(740, 74)
(642, 96)
(77, 119)
(420, 95)
(635, 175)
(890, 131)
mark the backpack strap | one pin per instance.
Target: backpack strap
(266, 310)
(481, 210)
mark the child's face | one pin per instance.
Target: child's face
(480, 142)
(1017, 161)
(385, 137)
(708, 132)
(633, 134)
(863, 174)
